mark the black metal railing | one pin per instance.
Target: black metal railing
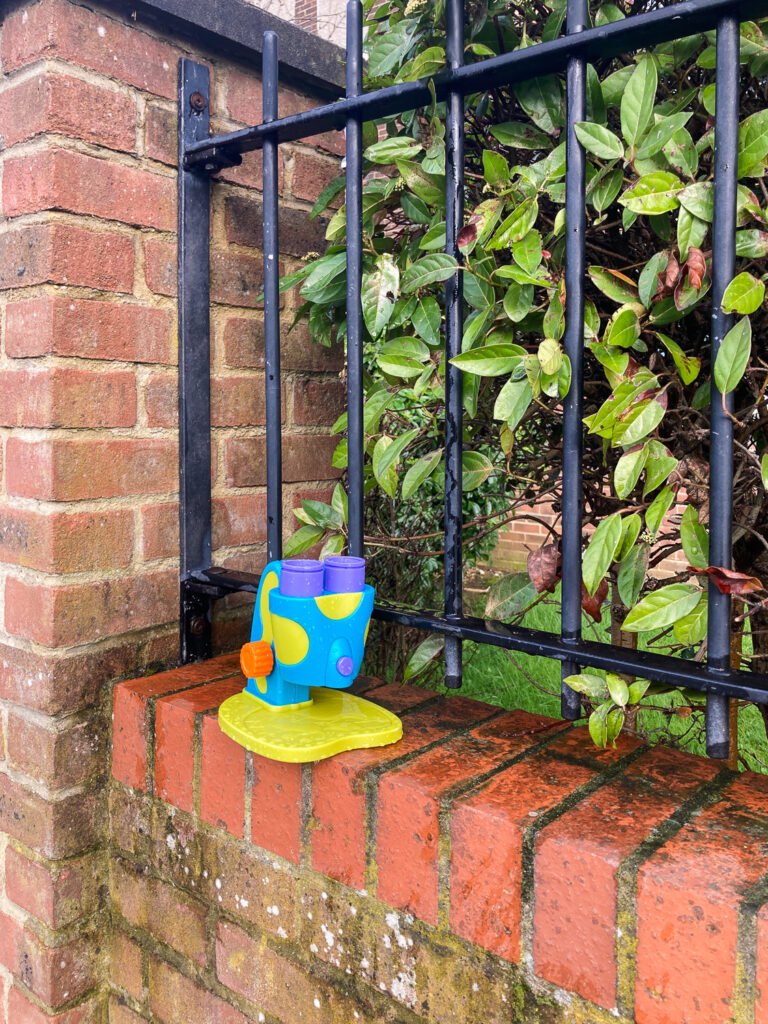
(201, 155)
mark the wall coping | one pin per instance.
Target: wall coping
(235, 28)
(630, 882)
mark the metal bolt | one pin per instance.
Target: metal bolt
(197, 101)
(197, 625)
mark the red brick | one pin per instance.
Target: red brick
(577, 858)
(222, 777)
(243, 342)
(121, 1013)
(65, 541)
(64, 469)
(311, 173)
(409, 800)
(241, 97)
(280, 987)
(58, 757)
(338, 783)
(162, 910)
(235, 401)
(91, 39)
(318, 403)
(305, 457)
(160, 135)
(56, 103)
(249, 174)
(53, 325)
(160, 267)
(58, 895)
(66, 615)
(761, 974)
(130, 734)
(688, 896)
(56, 253)
(54, 975)
(298, 235)
(237, 279)
(276, 807)
(239, 519)
(55, 396)
(173, 997)
(160, 530)
(175, 738)
(22, 1011)
(56, 829)
(60, 179)
(126, 965)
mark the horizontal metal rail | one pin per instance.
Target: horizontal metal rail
(659, 667)
(611, 40)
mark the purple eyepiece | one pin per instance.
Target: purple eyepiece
(344, 574)
(301, 577)
(345, 666)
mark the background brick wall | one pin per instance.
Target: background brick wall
(88, 422)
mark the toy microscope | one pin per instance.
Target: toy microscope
(309, 629)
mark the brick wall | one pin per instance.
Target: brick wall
(88, 436)
(490, 868)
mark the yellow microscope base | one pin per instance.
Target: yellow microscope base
(332, 722)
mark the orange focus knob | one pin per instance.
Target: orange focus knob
(256, 659)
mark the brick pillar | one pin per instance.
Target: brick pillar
(88, 422)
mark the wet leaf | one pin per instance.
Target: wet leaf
(662, 607)
(544, 568)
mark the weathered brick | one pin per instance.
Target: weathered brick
(56, 396)
(243, 342)
(121, 1013)
(688, 896)
(175, 740)
(61, 828)
(235, 401)
(58, 756)
(338, 783)
(66, 615)
(311, 173)
(51, 102)
(64, 254)
(53, 325)
(305, 457)
(222, 775)
(175, 998)
(160, 134)
(237, 279)
(276, 807)
(61, 179)
(167, 914)
(130, 734)
(66, 541)
(593, 839)
(126, 965)
(91, 39)
(69, 469)
(57, 894)
(318, 403)
(55, 975)
(23, 1011)
(160, 267)
(239, 519)
(761, 974)
(298, 235)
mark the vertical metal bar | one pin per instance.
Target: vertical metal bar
(575, 222)
(272, 305)
(721, 430)
(454, 289)
(194, 364)
(354, 206)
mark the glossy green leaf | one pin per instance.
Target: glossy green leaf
(753, 141)
(328, 194)
(604, 188)
(632, 573)
(490, 360)
(598, 725)
(659, 134)
(437, 266)
(691, 231)
(733, 356)
(752, 243)
(637, 102)
(639, 423)
(512, 402)
(426, 318)
(698, 199)
(429, 187)
(375, 405)
(628, 470)
(691, 629)
(527, 252)
(632, 525)
(624, 329)
(423, 656)
(654, 193)
(589, 683)
(661, 608)
(744, 294)
(612, 285)
(387, 481)
(475, 469)
(658, 466)
(495, 168)
(420, 471)
(657, 510)
(518, 300)
(509, 596)
(542, 100)
(764, 471)
(694, 539)
(648, 281)
(334, 545)
(304, 538)
(389, 150)
(617, 688)
(687, 366)
(601, 551)
(519, 135)
(321, 514)
(379, 294)
(599, 140)
(399, 365)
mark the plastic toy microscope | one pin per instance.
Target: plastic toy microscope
(309, 629)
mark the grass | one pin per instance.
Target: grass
(512, 680)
